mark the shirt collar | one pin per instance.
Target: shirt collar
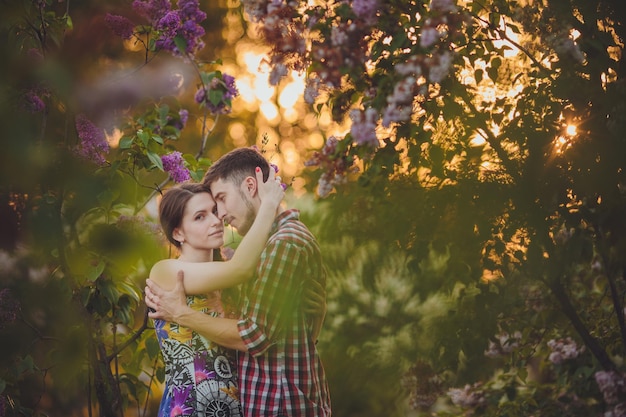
(284, 217)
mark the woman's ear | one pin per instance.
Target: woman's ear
(178, 235)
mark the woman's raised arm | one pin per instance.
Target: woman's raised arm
(204, 277)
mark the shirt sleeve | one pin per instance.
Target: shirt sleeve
(273, 298)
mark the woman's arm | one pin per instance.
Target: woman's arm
(204, 277)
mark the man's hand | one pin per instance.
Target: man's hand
(166, 305)
(314, 298)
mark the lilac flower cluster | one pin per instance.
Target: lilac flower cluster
(344, 50)
(612, 385)
(184, 23)
(470, 396)
(93, 145)
(9, 308)
(312, 89)
(179, 122)
(184, 116)
(174, 164)
(334, 164)
(138, 224)
(363, 129)
(120, 25)
(281, 28)
(365, 9)
(423, 385)
(400, 102)
(209, 95)
(563, 350)
(505, 343)
(443, 6)
(566, 47)
(152, 10)
(33, 102)
(173, 25)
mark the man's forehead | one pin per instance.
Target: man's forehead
(220, 185)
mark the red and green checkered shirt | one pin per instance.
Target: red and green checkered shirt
(281, 374)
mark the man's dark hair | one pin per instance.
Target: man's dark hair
(236, 165)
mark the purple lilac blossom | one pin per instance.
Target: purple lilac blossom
(612, 385)
(153, 10)
(120, 25)
(184, 24)
(33, 103)
(93, 144)
(443, 6)
(168, 25)
(229, 91)
(363, 129)
(174, 165)
(365, 9)
(184, 116)
(429, 37)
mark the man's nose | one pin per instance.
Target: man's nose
(221, 212)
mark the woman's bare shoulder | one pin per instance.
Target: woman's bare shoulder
(163, 272)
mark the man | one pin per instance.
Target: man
(280, 372)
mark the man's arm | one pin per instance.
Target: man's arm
(172, 306)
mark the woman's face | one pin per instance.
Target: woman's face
(200, 228)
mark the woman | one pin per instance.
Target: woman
(200, 376)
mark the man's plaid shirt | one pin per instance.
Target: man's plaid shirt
(281, 374)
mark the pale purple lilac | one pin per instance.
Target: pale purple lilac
(363, 129)
(365, 9)
(429, 37)
(612, 385)
(443, 6)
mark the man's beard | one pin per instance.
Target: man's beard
(249, 217)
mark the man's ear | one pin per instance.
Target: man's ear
(250, 186)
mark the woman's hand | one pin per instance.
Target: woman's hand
(270, 191)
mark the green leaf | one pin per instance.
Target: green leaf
(68, 22)
(144, 137)
(95, 271)
(157, 139)
(181, 44)
(478, 75)
(215, 96)
(152, 347)
(126, 142)
(155, 159)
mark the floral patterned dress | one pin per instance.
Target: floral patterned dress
(200, 376)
